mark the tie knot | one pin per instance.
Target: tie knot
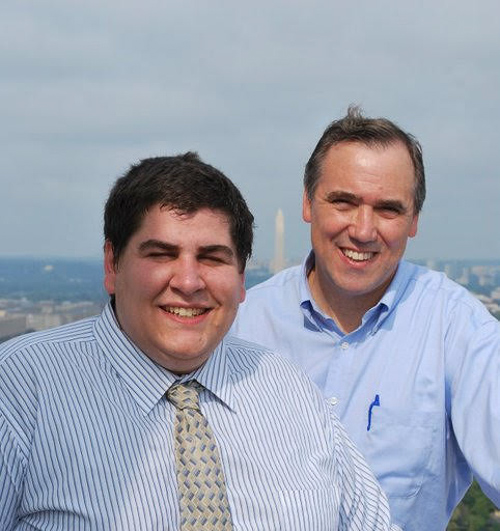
(185, 396)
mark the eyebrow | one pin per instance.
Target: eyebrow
(339, 195)
(149, 245)
(153, 244)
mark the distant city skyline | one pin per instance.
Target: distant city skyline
(36, 294)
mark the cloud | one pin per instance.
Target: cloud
(90, 87)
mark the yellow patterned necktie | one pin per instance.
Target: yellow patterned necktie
(200, 478)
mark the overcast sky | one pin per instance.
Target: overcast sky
(89, 87)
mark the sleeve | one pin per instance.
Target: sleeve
(363, 504)
(11, 475)
(473, 396)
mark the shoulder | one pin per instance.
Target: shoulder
(246, 355)
(435, 289)
(287, 278)
(47, 341)
(275, 294)
(276, 298)
(39, 365)
(249, 361)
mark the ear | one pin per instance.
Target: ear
(109, 268)
(414, 226)
(306, 207)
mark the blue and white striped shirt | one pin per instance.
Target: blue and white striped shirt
(86, 439)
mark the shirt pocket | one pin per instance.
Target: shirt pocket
(307, 510)
(403, 448)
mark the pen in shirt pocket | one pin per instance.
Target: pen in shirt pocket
(375, 402)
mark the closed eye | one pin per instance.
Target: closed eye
(342, 202)
(391, 208)
(158, 250)
(160, 254)
(216, 260)
(219, 256)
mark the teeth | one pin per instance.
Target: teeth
(354, 255)
(185, 312)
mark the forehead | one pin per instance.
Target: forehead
(203, 225)
(389, 167)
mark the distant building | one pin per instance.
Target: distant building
(48, 315)
(43, 315)
(11, 325)
(495, 294)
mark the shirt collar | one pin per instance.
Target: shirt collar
(147, 381)
(304, 289)
(375, 316)
(312, 313)
(394, 292)
(214, 376)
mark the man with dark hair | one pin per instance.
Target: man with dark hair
(148, 416)
(191, 185)
(409, 359)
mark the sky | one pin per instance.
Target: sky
(89, 87)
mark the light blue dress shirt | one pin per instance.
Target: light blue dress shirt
(417, 385)
(86, 439)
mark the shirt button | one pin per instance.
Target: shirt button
(333, 400)
(344, 345)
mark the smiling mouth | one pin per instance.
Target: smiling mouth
(357, 256)
(185, 312)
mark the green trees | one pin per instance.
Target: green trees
(474, 513)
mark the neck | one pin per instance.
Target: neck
(345, 309)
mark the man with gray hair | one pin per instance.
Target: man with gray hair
(409, 359)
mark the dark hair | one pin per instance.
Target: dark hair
(185, 184)
(354, 127)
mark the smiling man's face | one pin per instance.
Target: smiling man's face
(177, 286)
(361, 217)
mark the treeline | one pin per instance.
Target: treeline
(475, 513)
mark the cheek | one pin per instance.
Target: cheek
(325, 229)
(229, 288)
(396, 237)
(142, 282)
(331, 220)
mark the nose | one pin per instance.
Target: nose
(363, 226)
(186, 277)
